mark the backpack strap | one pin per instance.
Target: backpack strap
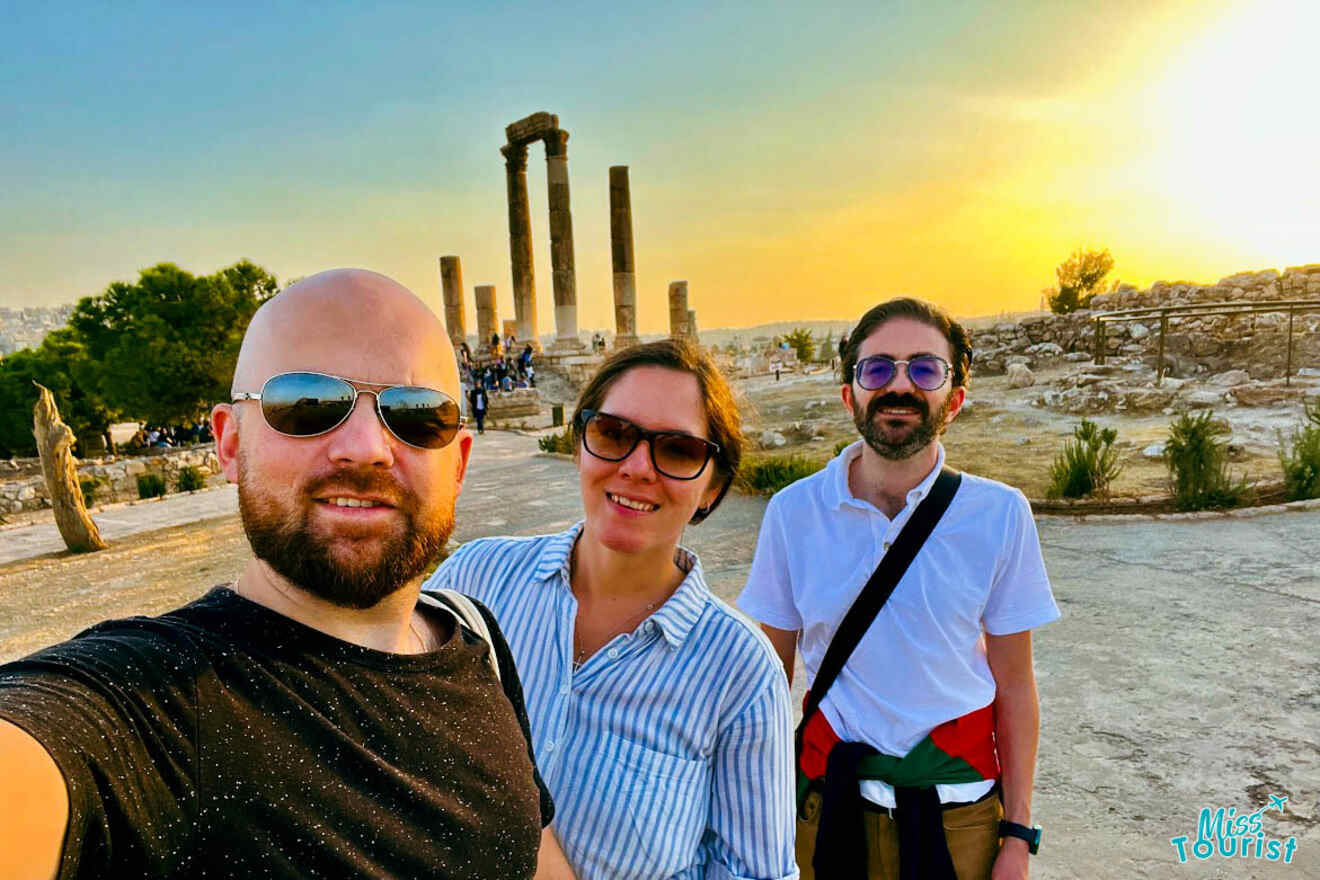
(470, 616)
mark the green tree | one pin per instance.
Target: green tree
(60, 363)
(799, 339)
(165, 346)
(1080, 278)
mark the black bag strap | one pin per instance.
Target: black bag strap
(879, 588)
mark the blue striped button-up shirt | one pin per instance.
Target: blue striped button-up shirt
(669, 751)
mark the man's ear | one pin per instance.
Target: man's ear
(846, 395)
(224, 425)
(464, 441)
(956, 396)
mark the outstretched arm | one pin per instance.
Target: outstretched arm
(34, 807)
(1017, 731)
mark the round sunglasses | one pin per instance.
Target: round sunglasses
(674, 454)
(305, 404)
(927, 372)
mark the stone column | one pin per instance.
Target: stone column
(486, 325)
(692, 327)
(561, 241)
(621, 250)
(451, 281)
(520, 245)
(678, 309)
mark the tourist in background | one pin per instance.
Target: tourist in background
(660, 718)
(477, 404)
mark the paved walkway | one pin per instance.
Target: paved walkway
(120, 520)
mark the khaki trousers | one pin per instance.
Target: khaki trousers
(972, 832)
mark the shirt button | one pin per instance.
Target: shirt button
(550, 746)
(563, 691)
(885, 545)
(614, 652)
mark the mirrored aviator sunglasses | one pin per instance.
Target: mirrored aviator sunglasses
(674, 454)
(310, 404)
(927, 372)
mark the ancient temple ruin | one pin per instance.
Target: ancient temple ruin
(521, 134)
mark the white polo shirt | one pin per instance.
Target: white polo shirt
(923, 660)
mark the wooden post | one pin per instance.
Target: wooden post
(1159, 365)
(1099, 341)
(1287, 370)
(54, 445)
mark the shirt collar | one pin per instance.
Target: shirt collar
(676, 617)
(837, 493)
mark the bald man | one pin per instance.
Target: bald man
(319, 717)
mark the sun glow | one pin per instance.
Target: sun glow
(1234, 133)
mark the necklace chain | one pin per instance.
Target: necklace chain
(421, 642)
(580, 648)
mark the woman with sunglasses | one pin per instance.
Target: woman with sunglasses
(660, 718)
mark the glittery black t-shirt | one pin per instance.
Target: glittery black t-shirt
(225, 740)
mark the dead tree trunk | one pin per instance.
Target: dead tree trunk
(54, 443)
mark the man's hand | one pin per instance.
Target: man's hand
(1012, 861)
(34, 807)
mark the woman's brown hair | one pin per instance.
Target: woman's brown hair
(723, 420)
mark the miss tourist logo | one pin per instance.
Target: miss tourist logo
(1225, 834)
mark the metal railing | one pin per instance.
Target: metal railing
(1291, 306)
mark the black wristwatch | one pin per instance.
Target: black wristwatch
(1030, 835)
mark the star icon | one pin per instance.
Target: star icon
(1276, 801)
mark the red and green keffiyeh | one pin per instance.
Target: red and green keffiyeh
(960, 750)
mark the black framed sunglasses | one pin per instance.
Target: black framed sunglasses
(927, 372)
(305, 404)
(677, 455)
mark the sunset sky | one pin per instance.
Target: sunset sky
(799, 162)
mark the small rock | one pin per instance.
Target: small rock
(1138, 331)
(1154, 450)
(1022, 441)
(1045, 349)
(1077, 357)
(1229, 378)
(1019, 376)
(1203, 399)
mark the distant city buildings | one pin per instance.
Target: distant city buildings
(25, 328)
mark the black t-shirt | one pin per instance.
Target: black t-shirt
(226, 740)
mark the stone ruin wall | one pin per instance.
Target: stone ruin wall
(24, 488)
(1206, 344)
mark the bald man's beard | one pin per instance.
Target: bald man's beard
(345, 570)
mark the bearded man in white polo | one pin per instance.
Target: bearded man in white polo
(918, 747)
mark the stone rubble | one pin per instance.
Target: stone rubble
(116, 477)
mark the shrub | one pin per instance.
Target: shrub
(841, 445)
(190, 479)
(772, 473)
(1198, 466)
(150, 485)
(88, 485)
(1300, 456)
(1087, 464)
(560, 442)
